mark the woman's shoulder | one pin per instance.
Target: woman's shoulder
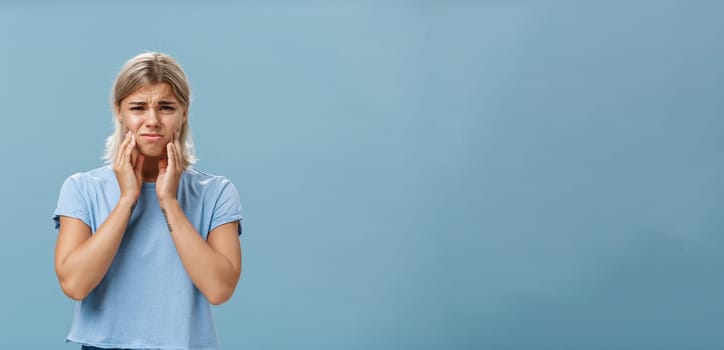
(98, 175)
(196, 178)
(197, 175)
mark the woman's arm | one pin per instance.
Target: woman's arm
(214, 265)
(82, 258)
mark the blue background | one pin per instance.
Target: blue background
(414, 174)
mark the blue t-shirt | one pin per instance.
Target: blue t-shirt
(146, 299)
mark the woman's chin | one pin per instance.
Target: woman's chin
(152, 153)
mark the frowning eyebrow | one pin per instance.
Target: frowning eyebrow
(142, 103)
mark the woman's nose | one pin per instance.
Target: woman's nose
(151, 119)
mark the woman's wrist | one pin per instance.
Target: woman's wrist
(164, 203)
(127, 202)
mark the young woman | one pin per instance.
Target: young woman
(147, 242)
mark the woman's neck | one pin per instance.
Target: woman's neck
(149, 172)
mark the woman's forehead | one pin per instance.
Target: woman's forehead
(151, 93)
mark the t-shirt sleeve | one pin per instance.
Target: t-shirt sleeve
(71, 202)
(227, 207)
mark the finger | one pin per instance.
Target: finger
(138, 166)
(170, 154)
(179, 153)
(162, 165)
(129, 150)
(121, 148)
(134, 156)
(126, 139)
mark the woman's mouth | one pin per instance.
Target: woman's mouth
(152, 137)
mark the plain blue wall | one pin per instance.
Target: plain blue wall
(414, 174)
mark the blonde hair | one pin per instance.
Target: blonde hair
(146, 69)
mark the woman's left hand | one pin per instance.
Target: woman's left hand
(170, 170)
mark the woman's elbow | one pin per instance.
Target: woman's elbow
(217, 300)
(224, 292)
(220, 296)
(73, 290)
(74, 293)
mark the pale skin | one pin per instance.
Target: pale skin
(150, 152)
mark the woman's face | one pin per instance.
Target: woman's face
(153, 114)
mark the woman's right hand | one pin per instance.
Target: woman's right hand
(127, 166)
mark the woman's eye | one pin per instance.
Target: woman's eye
(137, 108)
(168, 108)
